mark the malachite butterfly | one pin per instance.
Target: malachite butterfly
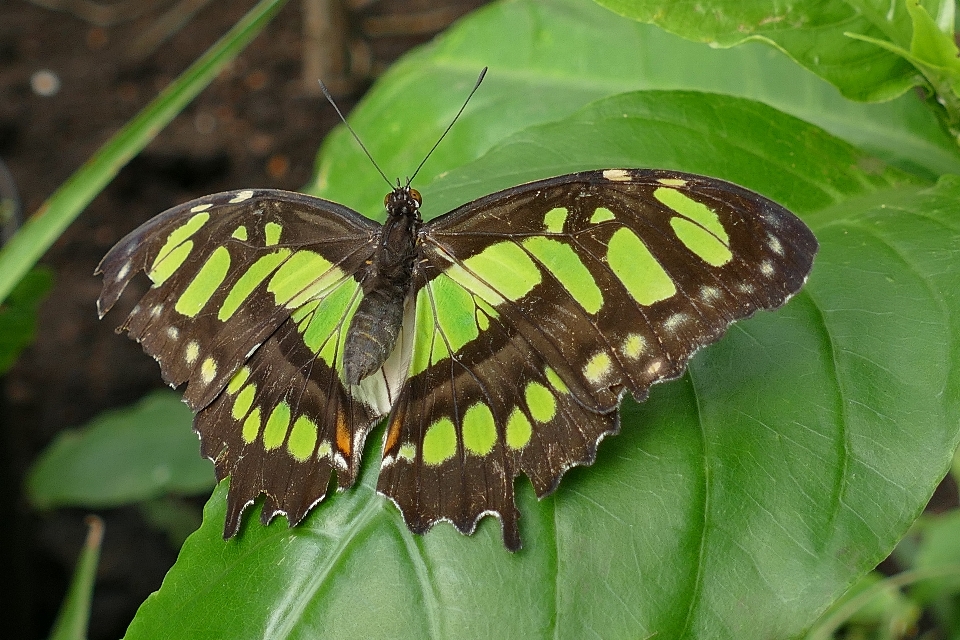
(498, 339)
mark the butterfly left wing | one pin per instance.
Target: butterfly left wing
(539, 306)
(251, 298)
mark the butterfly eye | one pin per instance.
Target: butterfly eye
(386, 200)
(416, 196)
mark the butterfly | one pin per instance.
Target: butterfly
(498, 339)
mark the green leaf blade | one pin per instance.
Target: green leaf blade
(812, 33)
(766, 475)
(18, 315)
(124, 456)
(74, 615)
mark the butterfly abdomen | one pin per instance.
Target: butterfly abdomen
(375, 326)
(373, 332)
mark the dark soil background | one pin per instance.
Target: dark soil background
(67, 84)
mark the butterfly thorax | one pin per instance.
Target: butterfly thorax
(375, 326)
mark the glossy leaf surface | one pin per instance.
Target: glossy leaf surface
(788, 461)
(861, 70)
(129, 455)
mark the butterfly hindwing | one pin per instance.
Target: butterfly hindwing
(251, 298)
(539, 306)
(282, 425)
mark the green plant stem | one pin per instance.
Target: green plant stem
(74, 616)
(43, 228)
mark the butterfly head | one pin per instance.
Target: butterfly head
(403, 201)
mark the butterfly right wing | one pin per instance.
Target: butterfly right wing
(252, 295)
(540, 306)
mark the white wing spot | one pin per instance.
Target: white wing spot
(200, 207)
(124, 270)
(708, 293)
(339, 461)
(407, 451)
(672, 182)
(598, 367)
(674, 321)
(241, 196)
(617, 175)
(191, 352)
(250, 353)
(745, 287)
(324, 450)
(775, 245)
(771, 219)
(173, 333)
(634, 346)
(766, 268)
(654, 367)
(208, 370)
(156, 311)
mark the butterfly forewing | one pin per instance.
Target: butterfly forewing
(540, 305)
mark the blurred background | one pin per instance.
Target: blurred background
(72, 73)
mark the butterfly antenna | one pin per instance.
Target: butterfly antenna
(450, 126)
(323, 88)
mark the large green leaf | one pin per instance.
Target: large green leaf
(738, 502)
(548, 58)
(810, 31)
(738, 140)
(128, 455)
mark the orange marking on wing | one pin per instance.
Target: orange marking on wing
(344, 443)
(393, 434)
